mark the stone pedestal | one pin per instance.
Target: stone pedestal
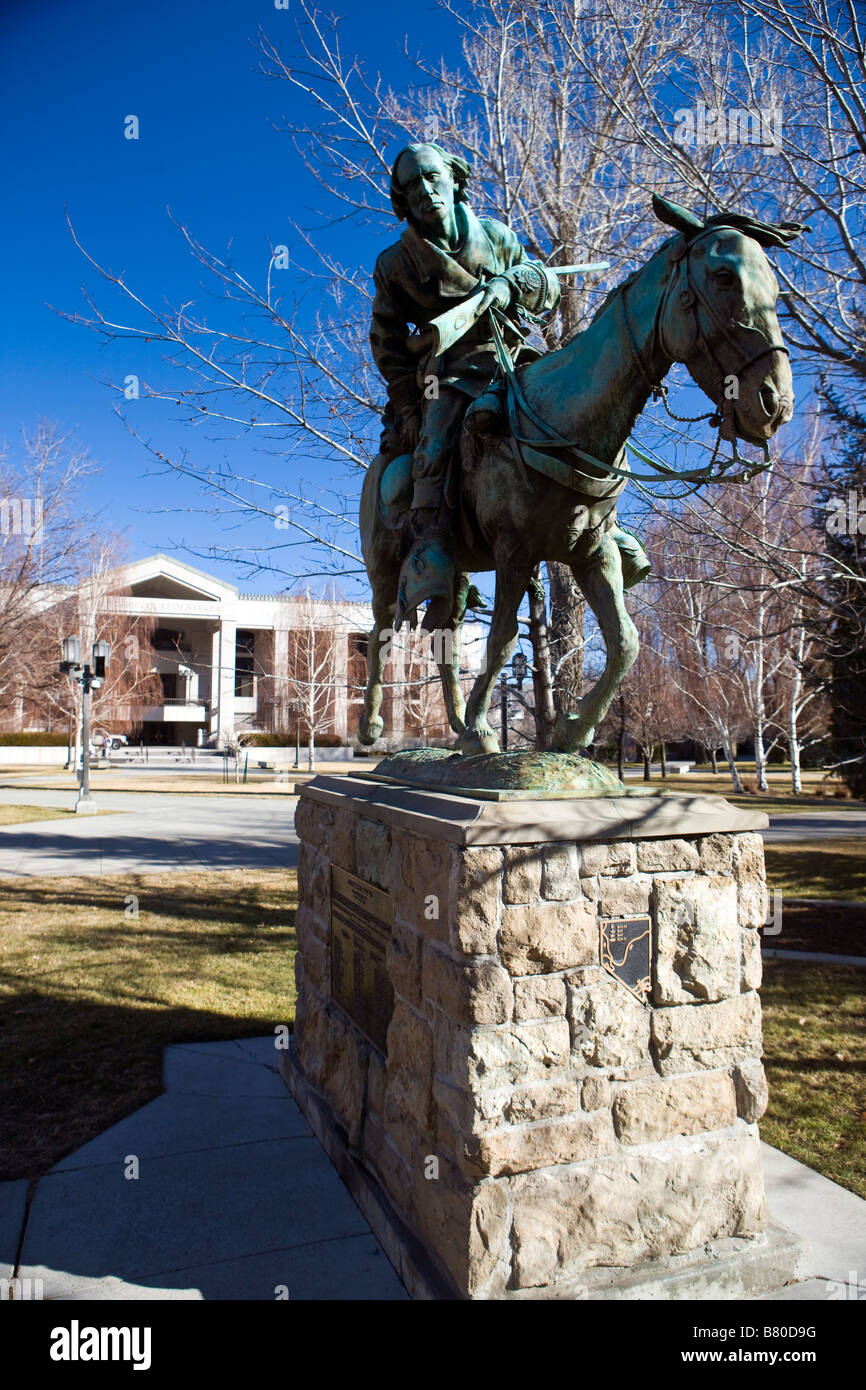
(518, 1114)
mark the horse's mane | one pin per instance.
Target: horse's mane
(617, 289)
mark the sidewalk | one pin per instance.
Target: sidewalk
(234, 1199)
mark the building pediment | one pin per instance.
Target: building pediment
(161, 577)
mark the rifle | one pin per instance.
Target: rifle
(448, 328)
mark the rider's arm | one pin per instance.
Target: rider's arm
(388, 333)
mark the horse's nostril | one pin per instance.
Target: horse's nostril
(769, 399)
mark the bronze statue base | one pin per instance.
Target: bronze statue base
(500, 776)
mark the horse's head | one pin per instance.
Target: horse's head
(718, 317)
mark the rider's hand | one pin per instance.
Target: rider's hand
(497, 292)
(410, 430)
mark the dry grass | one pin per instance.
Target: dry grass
(823, 869)
(89, 996)
(815, 1055)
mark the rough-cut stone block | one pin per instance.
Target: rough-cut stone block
(315, 825)
(403, 963)
(518, 1148)
(465, 1223)
(409, 1084)
(697, 943)
(521, 874)
(752, 903)
(646, 1111)
(422, 875)
(551, 936)
(752, 961)
(539, 996)
(341, 847)
(613, 858)
(624, 897)
(750, 1083)
(471, 1111)
(543, 1101)
(661, 856)
(512, 1053)
(715, 852)
(637, 1204)
(313, 949)
(392, 1169)
(333, 1059)
(609, 1027)
(469, 992)
(748, 858)
(595, 1093)
(560, 873)
(373, 853)
(314, 881)
(707, 1035)
(475, 919)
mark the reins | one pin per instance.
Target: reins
(534, 452)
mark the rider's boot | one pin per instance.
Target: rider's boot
(429, 570)
(633, 557)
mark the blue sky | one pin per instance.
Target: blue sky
(71, 70)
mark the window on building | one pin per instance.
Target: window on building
(245, 665)
(168, 681)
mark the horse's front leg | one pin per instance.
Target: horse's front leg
(511, 582)
(600, 581)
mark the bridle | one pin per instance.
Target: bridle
(565, 470)
(689, 296)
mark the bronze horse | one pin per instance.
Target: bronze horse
(707, 299)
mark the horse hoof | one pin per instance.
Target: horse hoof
(471, 743)
(369, 730)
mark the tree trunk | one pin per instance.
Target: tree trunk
(567, 610)
(664, 759)
(647, 756)
(730, 756)
(311, 751)
(542, 679)
(714, 759)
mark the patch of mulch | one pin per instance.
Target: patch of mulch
(839, 930)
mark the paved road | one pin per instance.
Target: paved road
(154, 832)
(150, 834)
(815, 825)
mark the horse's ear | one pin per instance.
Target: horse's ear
(675, 216)
(769, 234)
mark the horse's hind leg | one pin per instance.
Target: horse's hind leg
(371, 725)
(601, 583)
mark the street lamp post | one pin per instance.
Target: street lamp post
(89, 678)
(518, 666)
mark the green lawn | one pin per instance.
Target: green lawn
(815, 1056)
(89, 997)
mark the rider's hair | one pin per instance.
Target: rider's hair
(461, 173)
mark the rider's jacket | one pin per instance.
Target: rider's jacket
(416, 281)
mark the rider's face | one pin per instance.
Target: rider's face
(427, 187)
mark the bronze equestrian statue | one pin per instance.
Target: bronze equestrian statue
(475, 474)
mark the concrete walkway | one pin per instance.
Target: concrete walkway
(152, 834)
(234, 1199)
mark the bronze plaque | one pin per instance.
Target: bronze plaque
(361, 918)
(626, 946)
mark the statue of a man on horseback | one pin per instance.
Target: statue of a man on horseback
(446, 257)
(474, 476)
